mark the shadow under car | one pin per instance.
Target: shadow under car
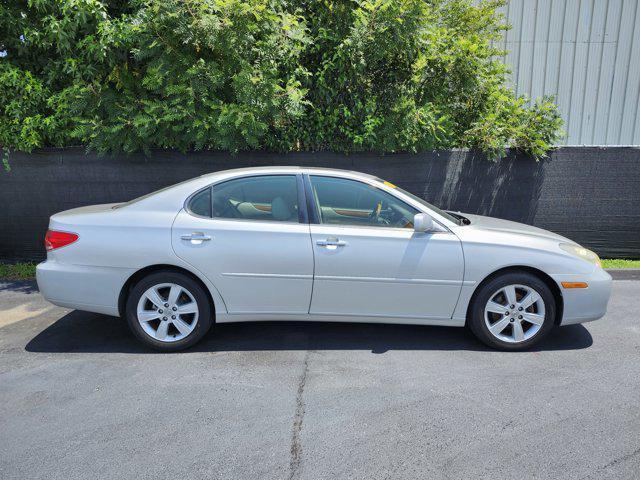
(80, 331)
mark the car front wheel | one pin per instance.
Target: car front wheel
(168, 311)
(513, 311)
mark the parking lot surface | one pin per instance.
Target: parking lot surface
(79, 398)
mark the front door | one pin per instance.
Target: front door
(370, 262)
(247, 236)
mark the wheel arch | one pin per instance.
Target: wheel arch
(553, 286)
(143, 272)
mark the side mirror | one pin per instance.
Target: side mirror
(422, 222)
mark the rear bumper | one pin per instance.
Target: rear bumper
(585, 304)
(89, 288)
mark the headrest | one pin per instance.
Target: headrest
(280, 210)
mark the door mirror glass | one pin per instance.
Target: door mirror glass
(422, 222)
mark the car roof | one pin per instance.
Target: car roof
(287, 169)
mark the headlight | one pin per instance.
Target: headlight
(581, 252)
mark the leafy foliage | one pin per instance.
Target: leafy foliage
(17, 271)
(342, 75)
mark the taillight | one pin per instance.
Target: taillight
(54, 239)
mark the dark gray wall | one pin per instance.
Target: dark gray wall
(591, 195)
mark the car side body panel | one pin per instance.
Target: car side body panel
(258, 266)
(386, 273)
(489, 250)
(113, 245)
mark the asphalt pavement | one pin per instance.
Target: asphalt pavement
(80, 398)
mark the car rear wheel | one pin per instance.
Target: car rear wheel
(513, 311)
(168, 311)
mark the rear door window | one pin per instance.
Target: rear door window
(266, 198)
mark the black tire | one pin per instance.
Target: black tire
(204, 320)
(476, 320)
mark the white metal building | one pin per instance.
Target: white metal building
(587, 54)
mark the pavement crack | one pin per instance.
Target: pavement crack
(614, 462)
(621, 459)
(295, 453)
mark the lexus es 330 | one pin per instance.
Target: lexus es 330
(311, 244)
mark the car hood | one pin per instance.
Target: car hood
(479, 222)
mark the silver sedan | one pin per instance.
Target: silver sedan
(312, 244)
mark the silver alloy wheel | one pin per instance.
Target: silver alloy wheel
(167, 312)
(514, 313)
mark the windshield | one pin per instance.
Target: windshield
(446, 215)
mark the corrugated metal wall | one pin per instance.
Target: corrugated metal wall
(587, 54)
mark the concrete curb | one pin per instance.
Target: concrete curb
(624, 273)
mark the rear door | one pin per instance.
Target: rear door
(370, 262)
(251, 239)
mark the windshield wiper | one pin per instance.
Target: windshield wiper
(462, 221)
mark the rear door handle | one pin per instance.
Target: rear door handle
(331, 242)
(196, 237)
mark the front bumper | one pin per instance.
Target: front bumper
(585, 304)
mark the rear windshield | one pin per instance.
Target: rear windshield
(136, 200)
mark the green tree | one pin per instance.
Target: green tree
(341, 75)
(412, 75)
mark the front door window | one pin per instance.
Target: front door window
(342, 201)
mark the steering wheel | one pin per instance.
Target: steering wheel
(375, 216)
(234, 208)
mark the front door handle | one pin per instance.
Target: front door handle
(331, 242)
(196, 237)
